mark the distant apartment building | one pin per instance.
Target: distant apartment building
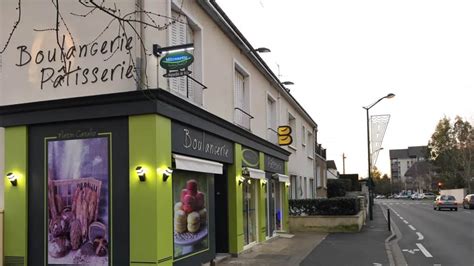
(402, 159)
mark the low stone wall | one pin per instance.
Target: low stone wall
(328, 223)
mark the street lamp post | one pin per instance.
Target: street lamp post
(371, 196)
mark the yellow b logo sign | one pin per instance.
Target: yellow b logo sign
(284, 135)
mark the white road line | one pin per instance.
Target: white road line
(423, 249)
(420, 236)
(405, 221)
(411, 227)
(402, 218)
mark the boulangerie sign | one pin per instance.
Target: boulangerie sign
(89, 54)
(198, 143)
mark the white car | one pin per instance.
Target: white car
(429, 195)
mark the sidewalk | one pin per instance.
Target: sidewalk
(364, 248)
(279, 251)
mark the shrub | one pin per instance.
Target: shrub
(332, 206)
(337, 187)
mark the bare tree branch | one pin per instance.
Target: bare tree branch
(15, 25)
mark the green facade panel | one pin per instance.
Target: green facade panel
(15, 197)
(150, 201)
(235, 207)
(262, 218)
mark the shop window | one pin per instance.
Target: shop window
(272, 134)
(311, 188)
(249, 210)
(305, 188)
(191, 219)
(242, 116)
(293, 194)
(185, 31)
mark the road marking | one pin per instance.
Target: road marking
(405, 221)
(423, 250)
(411, 227)
(401, 218)
(420, 236)
(377, 264)
(411, 251)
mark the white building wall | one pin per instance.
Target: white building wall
(219, 57)
(215, 62)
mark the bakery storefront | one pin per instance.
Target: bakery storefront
(160, 181)
(98, 172)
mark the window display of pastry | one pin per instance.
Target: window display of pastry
(180, 222)
(190, 211)
(194, 222)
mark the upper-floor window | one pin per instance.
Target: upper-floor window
(310, 148)
(184, 31)
(292, 124)
(272, 134)
(303, 135)
(242, 115)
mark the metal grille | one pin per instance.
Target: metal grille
(14, 261)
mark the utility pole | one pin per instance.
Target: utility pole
(343, 163)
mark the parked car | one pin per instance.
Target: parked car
(445, 202)
(468, 202)
(416, 196)
(429, 195)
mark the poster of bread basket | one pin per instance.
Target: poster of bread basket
(78, 201)
(190, 198)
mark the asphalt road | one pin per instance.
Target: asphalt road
(430, 237)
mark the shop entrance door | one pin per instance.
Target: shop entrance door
(249, 213)
(270, 202)
(277, 199)
(221, 200)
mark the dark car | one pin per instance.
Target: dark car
(445, 202)
(468, 202)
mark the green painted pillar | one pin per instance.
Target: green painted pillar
(151, 208)
(235, 208)
(285, 190)
(16, 209)
(262, 218)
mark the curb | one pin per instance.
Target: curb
(394, 253)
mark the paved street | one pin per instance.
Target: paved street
(430, 237)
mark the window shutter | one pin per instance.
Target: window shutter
(178, 36)
(239, 90)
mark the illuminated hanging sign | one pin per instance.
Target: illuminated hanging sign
(284, 135)
(176, 64)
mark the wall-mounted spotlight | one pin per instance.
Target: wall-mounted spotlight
(12, 178)
(168, 171)
(287, 184)
(241, 180)
(249, 181)
(264, 182)
(141, 173)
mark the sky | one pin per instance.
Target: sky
(344, 54)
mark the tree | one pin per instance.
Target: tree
(382, 185)
(451, 149)
(463, 134)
